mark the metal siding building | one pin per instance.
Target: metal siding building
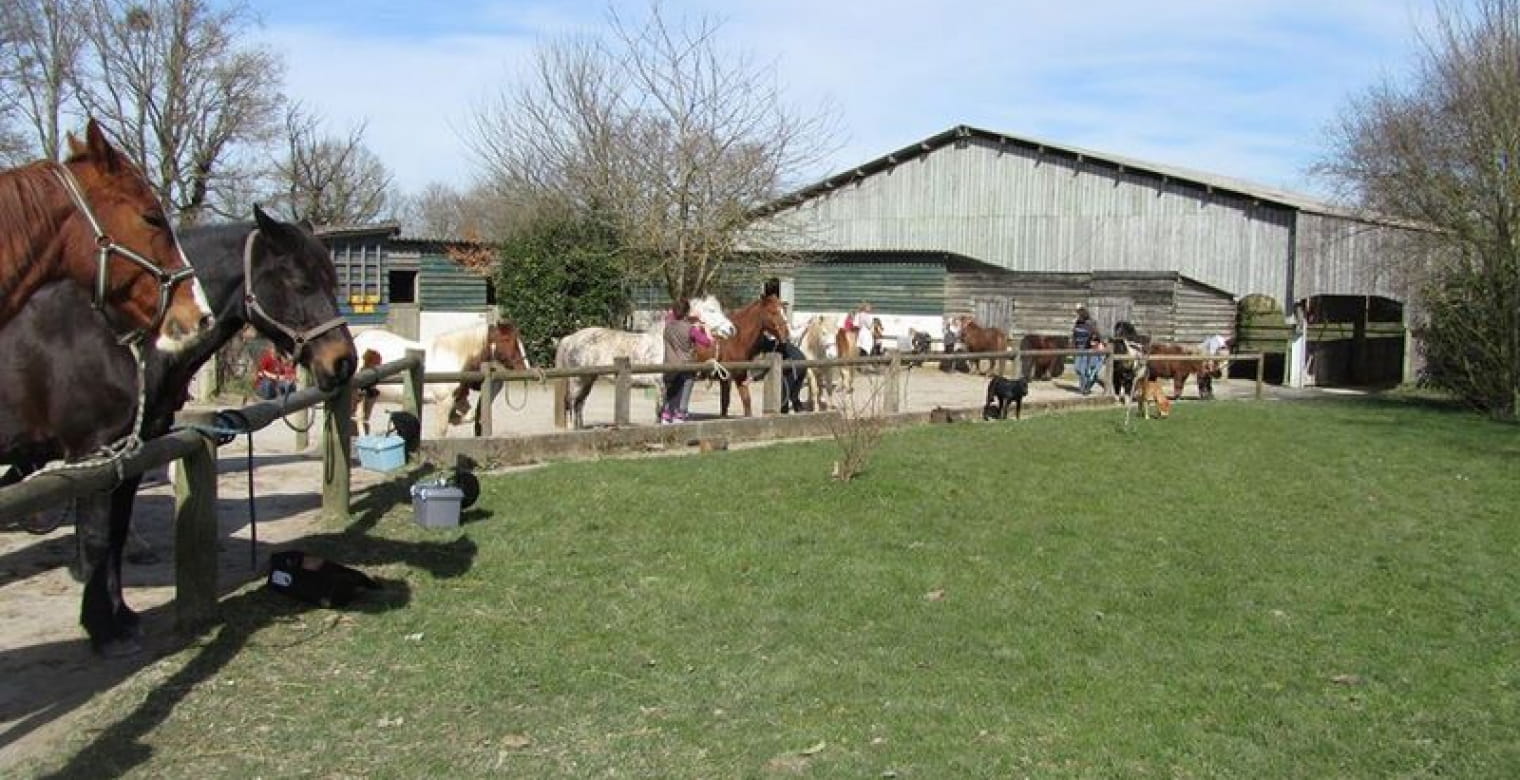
(1045, 226)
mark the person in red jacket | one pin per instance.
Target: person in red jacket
(276, 377)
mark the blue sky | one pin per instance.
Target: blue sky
(1238, 88)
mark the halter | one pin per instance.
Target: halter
(106, 247)
(251, 304)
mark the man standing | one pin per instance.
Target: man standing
(1084, 336)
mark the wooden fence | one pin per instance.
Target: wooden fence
(195, 490)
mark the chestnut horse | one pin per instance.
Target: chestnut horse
(1179, 370)
(272, 275)
(95, 220)
(751, 323)
(1037, 367)
(979, 339)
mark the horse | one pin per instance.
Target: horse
(601, 346)
(820, 380)
(94, 219)
(793, 378)
(272, 275)
(461, 349)
(1125, 341)
(980, 339)
(763, 317)
(1038, 367)
(1159, 367)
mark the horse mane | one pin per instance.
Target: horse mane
(28, 198)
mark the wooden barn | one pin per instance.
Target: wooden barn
(412, 286)
(1018, 232)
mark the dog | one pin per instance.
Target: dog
(1151, 391)
(1002, 390)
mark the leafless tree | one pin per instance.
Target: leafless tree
(659, 132)
(181, 90)
(328, 179)
(1443, 151)
(40, 44)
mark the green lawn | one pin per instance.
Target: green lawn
(1246, 589)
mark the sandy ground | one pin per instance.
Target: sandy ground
(47, 670)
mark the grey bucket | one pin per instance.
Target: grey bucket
(436, 505)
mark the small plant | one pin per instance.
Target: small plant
(858, 428)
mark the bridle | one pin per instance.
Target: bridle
(106, 247)
(299, 338)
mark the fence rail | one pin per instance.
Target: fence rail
(196, 489)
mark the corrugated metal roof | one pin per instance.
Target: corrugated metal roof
(1171, 174)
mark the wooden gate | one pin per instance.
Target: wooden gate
(993, 313)
(1107, 311)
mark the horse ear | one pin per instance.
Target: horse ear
(99, 148)
(281, 234)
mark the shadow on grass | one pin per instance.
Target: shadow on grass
(78, 674)
(119, 747)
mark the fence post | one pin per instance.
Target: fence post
(1261, 373)
(560, 391)
(483, 417)
(770, 393)
(411, 384)
(624, 385)
(303, 416)
(195, 532)
(1106, 371)
(891, 399)
(337, 451)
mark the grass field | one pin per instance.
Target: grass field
(1247, 589)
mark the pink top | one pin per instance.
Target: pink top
(699, 335)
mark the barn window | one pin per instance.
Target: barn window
(403, 286)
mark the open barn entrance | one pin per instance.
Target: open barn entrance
(1354, 340)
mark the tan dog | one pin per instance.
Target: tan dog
(1151, 391)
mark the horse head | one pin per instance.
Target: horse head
(773, 318)
(119, 243)
(291, 298)
(503, 344)
(710, 312)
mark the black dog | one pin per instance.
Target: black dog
(1000, 391)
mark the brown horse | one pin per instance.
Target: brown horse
(979, 339)
(752, 323)
(1179, 370)
(95, 220)
(1036, 367)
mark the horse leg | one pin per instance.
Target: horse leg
(723, 397)
(101, 527)
(582, 391)
(744, 397)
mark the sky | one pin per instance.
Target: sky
(1239, 88)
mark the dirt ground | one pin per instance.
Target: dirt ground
(47, 670)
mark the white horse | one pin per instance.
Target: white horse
(462, 349)
(817, 343)
(601, 346)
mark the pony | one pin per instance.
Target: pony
(461, 349)
(601, 346)
(1038, 367)
(273, 275)
(820, 380)
(94, 219)
(751, 324)
(979, 339)
(1125, 341)
(859, 342)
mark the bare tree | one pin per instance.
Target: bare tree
(330, 179)
(658, 132)
(1444, 151)
(181, 91)
(40, 44)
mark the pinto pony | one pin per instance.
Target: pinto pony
(272, 275)
(461, 349)
(94, 220)
(750, 324)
